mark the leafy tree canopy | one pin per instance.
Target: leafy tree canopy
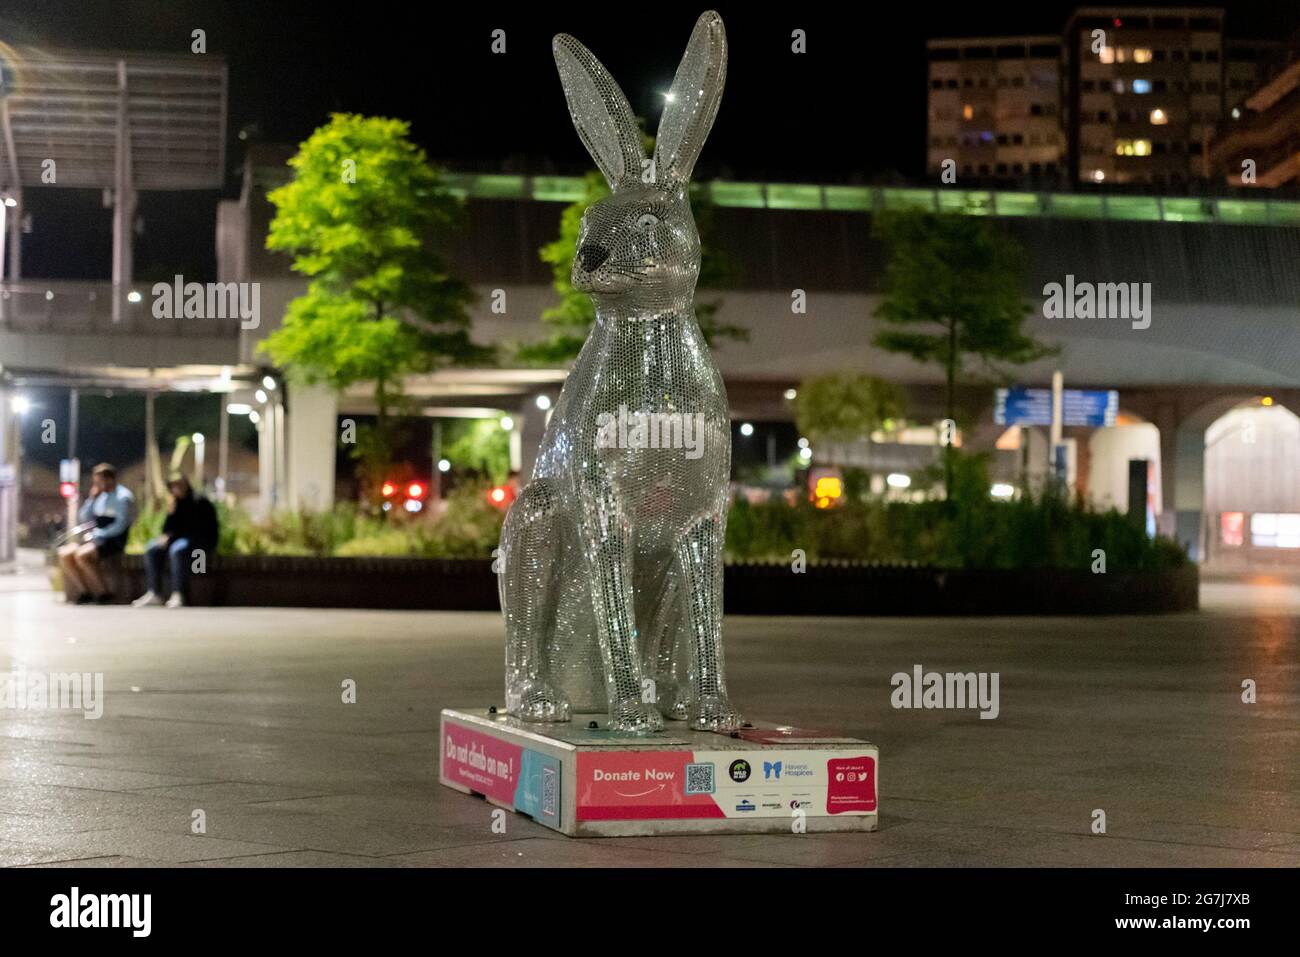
(845, 408)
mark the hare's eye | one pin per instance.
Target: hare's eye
(647, 221)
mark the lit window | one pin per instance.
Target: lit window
(1140, 86)
(1106, 55)
(1141, 55)
(1272, 530)
(1132, 147)
(1118, 86)
(967, 112)
(1231, 525)
(1159, 117)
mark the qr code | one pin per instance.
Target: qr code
(699, 779)
(550, 795)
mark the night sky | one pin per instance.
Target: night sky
(852, 109)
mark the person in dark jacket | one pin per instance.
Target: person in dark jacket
(191, 525)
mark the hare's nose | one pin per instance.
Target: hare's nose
(592, 256)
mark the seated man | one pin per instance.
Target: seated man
(191, 524)
(112, 508)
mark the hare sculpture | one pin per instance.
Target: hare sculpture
(611, 557)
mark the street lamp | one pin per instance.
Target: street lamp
(507, 423)
(268, 383)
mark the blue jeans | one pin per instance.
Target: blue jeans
(177, 556)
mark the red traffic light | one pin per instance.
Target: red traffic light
(415, 490)
(501, 496)
(68, 489)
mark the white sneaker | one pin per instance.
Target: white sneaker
(147, 599)
(176, 601)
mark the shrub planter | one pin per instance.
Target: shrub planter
(751, 589)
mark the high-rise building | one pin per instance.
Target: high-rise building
(1125, 95)
(1248, 65)
(1144, 91)
(1258, 142)
(994, 107)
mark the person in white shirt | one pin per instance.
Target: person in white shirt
(112, 508)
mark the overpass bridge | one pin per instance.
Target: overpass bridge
(1224, 334)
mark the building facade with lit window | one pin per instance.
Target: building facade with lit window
(1126, 95)
(1143, 94)
(994, 107)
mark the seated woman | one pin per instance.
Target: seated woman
(112, 508)
(191, 525)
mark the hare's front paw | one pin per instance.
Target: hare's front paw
(635, 716)
(715, 713)
(537, 700)
(673, 702)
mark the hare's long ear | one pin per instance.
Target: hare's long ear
(693, 99)
(600, 112)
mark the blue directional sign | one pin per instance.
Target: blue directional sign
(1087, 407)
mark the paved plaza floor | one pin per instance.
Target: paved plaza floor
(238, 713)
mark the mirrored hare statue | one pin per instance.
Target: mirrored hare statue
(611, 558)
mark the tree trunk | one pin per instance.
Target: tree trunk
(952, 410)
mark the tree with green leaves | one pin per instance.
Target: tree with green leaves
(953, 289)
(361, 217)
(575, 313)
(846, 408)
(478, 445)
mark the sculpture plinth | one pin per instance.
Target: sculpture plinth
(590, 782)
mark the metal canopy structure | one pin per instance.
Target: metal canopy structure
(162, 117)
(118, 122)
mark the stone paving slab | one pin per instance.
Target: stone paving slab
(238, 712)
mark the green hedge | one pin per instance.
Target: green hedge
(972, 531)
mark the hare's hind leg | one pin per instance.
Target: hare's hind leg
(529, 549)
(699, 555)
(660, 615)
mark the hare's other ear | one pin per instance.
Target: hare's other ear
(600, 112)
(693, 99)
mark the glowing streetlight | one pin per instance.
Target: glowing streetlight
(507, 423)
(20, 404)
(746, 429)
(543, 402)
